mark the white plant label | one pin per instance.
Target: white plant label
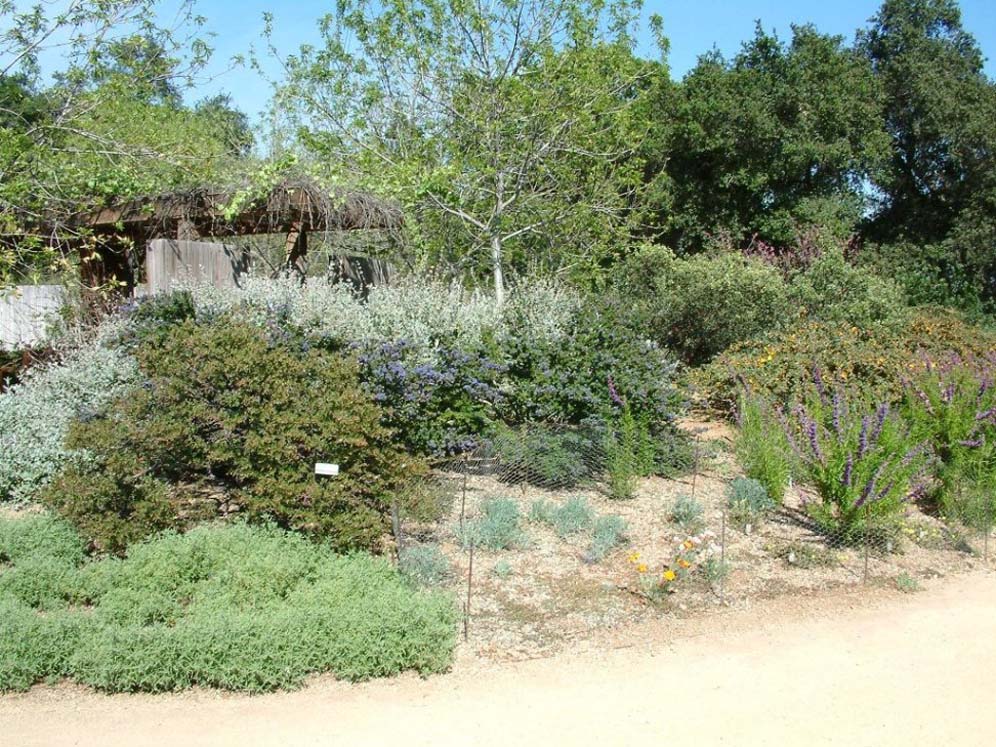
(324, 468)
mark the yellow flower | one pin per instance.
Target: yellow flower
(642, 568)
(669, 575)
(688, 545)
(633, 557)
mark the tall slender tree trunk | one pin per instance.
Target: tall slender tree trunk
(496, 265)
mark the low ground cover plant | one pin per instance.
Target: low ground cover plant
(424, 565)
(687, 512)
(497, 528)
(749, 502)
(607, 533)
(229, 606)
(573, 516)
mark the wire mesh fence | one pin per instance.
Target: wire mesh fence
(542, 545)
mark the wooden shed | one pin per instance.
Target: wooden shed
(165, 235)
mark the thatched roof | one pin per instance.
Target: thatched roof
(293, 205)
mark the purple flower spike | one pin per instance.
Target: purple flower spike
(614, 395)
(848, 468)
(814, 441)
(863, 438)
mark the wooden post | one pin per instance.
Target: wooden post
(295, 248)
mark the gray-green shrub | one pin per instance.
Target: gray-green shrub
(35, 414)
(497, 528)
(424, 565)
(748, 501)
(687, 512)
(234, 606)
(608, 533)
(571, 517)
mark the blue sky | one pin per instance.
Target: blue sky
(693, 28)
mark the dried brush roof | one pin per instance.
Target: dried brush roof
(294, 203)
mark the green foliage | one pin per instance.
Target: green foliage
(565, 379)
(749, 501)
(502, 569)
(154, 316)
(939, 108)
(36, 413)
(543, 457)
(629, 452)
(234, 416)
(701, 305)
(687, 512)
(762, 447)
(762, 146)
(497, 528)
(573, 516)
(872, 362)
(864, 466)
(952, 406)
(608, 533)
(906, 583)
(235, 607)
(833, 290)
(449, 139)
(424, 565)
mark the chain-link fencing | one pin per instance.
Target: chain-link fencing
(546, 535)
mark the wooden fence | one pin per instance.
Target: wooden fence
(24, 314)
(168, 261)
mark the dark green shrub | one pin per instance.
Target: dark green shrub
(154, 316)
(234, 417)
(231, 606)
(566, 380)
(440, 403)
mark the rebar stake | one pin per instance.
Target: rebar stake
(867, 542)
(470, 584)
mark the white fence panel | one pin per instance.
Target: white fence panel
(25, 314)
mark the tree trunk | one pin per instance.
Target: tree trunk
(499, 274)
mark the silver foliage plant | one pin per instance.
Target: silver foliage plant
(429, 314)
(35, 414)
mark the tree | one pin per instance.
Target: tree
(760, 147)
(503, 126)
(938, 188)
(110, 124)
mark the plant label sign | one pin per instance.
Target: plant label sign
(324, 468)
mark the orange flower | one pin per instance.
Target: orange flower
(684, 563)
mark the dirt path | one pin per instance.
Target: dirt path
(857, 668)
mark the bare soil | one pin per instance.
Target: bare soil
(845, 667)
